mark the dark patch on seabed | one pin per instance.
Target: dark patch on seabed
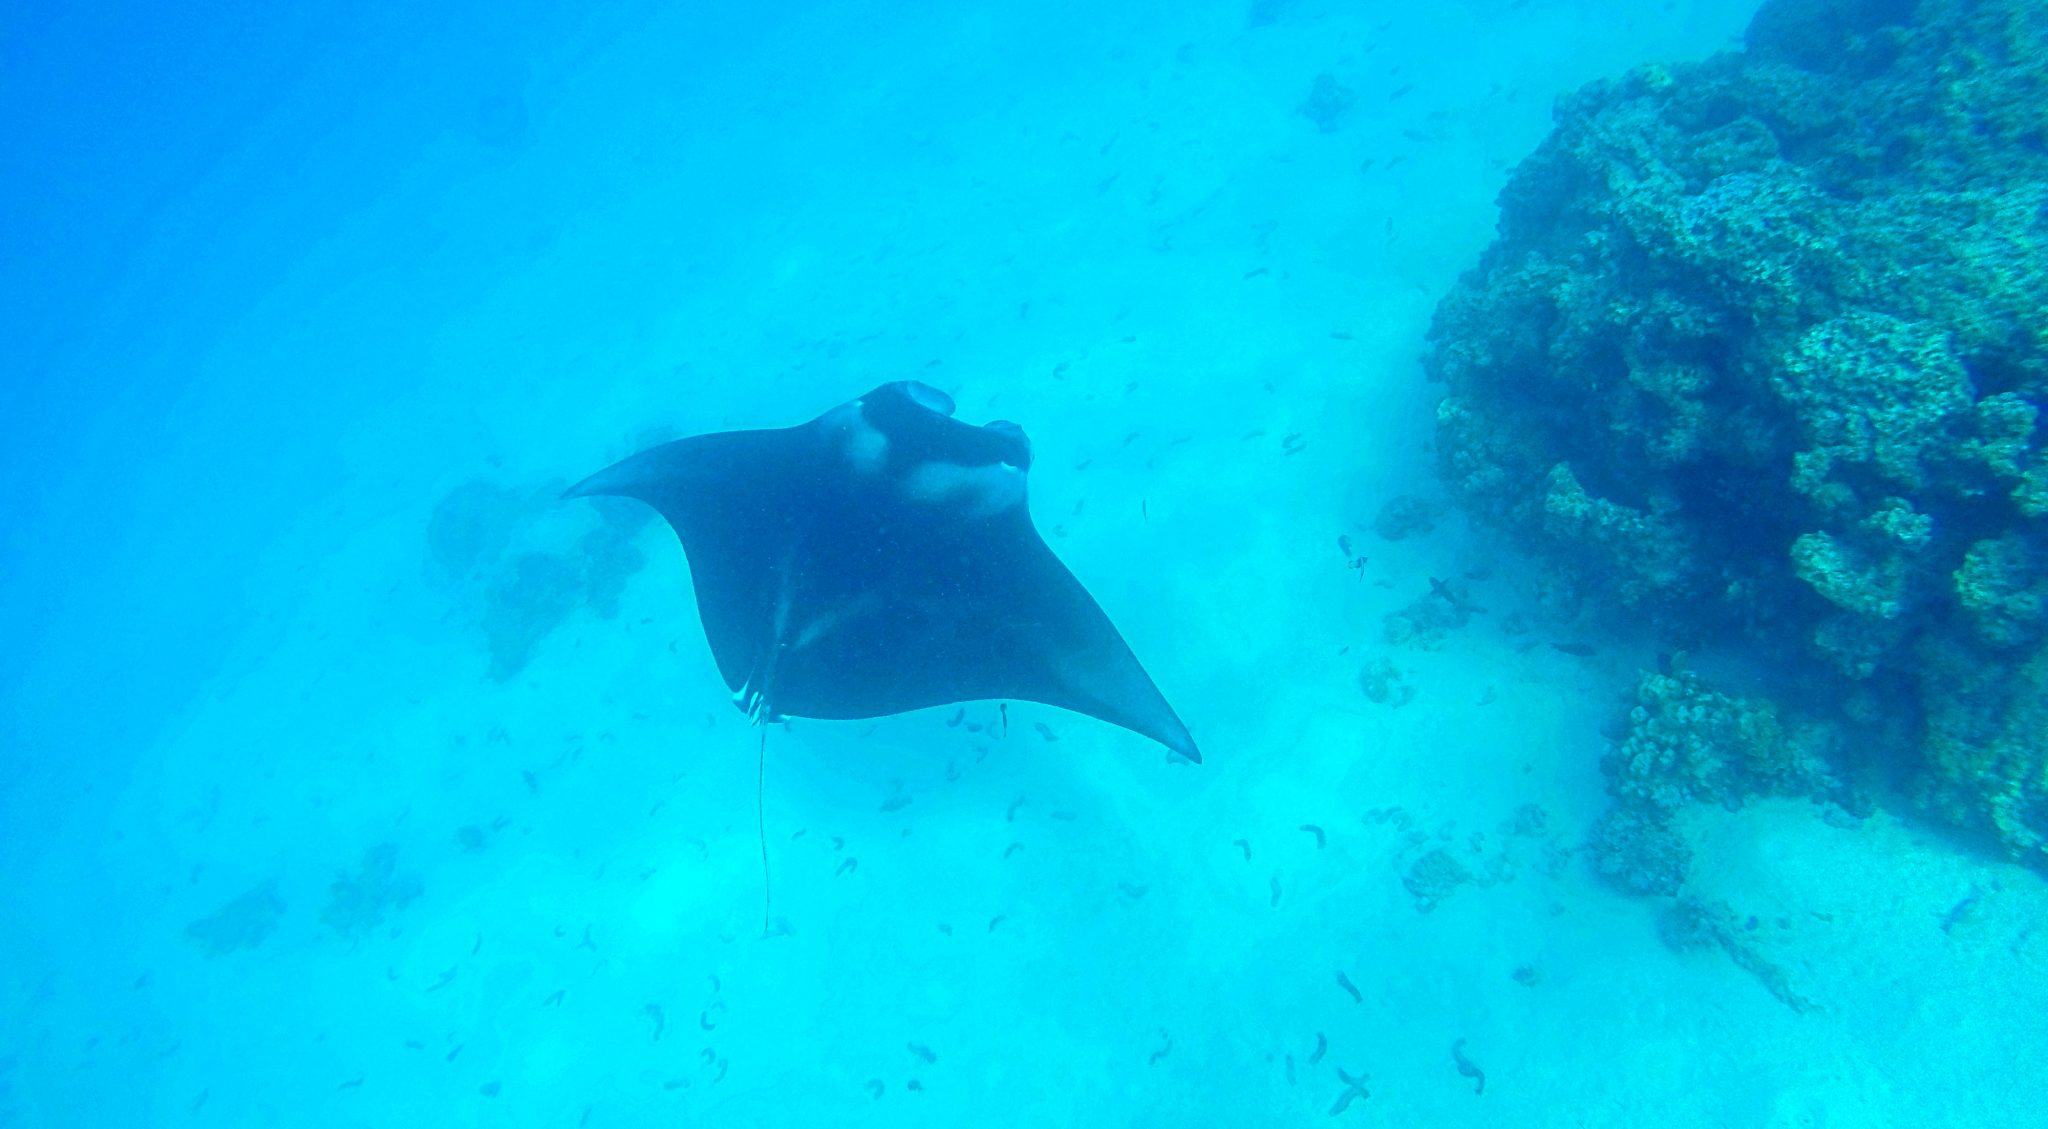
(488, 552)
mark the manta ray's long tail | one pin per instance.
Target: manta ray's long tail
(761, 821)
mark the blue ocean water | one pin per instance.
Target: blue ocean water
(348, 777)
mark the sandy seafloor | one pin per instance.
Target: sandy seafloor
(237, 666)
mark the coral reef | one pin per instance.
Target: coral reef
(1760, 353)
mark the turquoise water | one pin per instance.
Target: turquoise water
(349, 778)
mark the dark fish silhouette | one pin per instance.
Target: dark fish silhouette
(881, 558)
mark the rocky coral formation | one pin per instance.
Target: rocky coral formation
(359, 902)
(477, 550)
(1761, 352)
(1682, 743)
(243, 923)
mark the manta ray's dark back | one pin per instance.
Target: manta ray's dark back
(881, 558)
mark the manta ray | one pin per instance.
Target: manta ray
(881, 558)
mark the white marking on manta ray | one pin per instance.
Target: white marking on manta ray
(864, 446)
(984, 490)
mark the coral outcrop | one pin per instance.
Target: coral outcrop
(1682, 742)
(1761, 352)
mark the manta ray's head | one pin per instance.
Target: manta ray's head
(905, 433)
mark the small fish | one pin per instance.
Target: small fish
(1132, 892)
(446, 978)
(1317, 832)
(1045, 731)
(355, 1083)
(1245, 846)
(1010, 816)
(660, 1018)
(958, 716)
(924, 1052)
(1276, 892)
(1012, 849)
(875, 1088)
(997, 920)
(1350, 989)
(1960, 912)
(1354, 1089)
(1467, 1068)
(554, 998)
(1322, 1045)
(1254, 273)
(1582, 650)
(847, 867)
(1165, 1049)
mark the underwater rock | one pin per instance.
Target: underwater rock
(1434, 877)
(1426, 622)
(1404, 515)
(1327, 103)
(500, 555)
(359, 902)
(1382, 682)
(1761, 354)
(1639, 852)
(1689, 924)
(243, 923)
